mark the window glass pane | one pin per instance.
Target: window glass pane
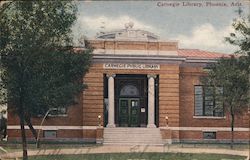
(198, 90)
(209, 135)
(208, 91)
(219, 90)
(58, 111)
(209, 98)
(208, 111)
(129, 90)
(49, 134)
(218, 109)
(218, 113)
(198, 111)
(218, 104)
(209, 103)
(198, 101)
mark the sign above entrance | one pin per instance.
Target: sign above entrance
(131, 66)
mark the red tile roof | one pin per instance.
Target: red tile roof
(196, 53)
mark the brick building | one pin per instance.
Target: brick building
(142, 90)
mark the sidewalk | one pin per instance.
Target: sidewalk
(125, 149)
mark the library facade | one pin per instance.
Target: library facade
(141, 89)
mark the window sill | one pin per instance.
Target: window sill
(208, 117)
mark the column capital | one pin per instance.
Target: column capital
(151, 76)
(110, 75)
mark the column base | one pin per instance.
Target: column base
(110, 125)
(151, 126)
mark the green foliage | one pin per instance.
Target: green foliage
(40, 68)
(241, 36)
(230, 73)
(29, 24)
(3, 91)
(233, 73)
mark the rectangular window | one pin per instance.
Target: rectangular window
(209, 135)
(208, 101)
(49, 134)
(58, 111)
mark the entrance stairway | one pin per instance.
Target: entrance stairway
(132, 136)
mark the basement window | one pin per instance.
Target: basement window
(49, 134)
(209, 135)
(54, 112)
(62, 111)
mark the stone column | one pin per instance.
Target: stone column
(151, 101)
(111, 100)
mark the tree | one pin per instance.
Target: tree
(229, 73)
(241, 37)
(40, 68)
(233, 73)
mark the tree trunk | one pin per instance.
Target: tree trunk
(232, 130)
(28, 121)
(24, 142)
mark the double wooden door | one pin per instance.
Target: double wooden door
(129, 112)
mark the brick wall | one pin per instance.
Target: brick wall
(189, 76)
(93, 96)
(176, 100)
(169, 95)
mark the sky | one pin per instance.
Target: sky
(196, 24)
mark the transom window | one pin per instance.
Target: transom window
(209, 101)
(129, 90)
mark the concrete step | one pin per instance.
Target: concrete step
(135, 136)
(132, 129)
(143, 142)
(114, 130)
(131, 136)
(135, 132)
(133, 143)
(132, 140)
(131, 133)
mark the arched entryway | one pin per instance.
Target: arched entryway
(131, 101)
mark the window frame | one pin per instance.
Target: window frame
(209, 132)
(204, 100)
(45, 132)
(59, 111)
(65, 114)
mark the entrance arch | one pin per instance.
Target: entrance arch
(129, 90)
(131, 100)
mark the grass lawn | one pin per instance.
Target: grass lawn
(14, 147)
(140, 156)
(18, 146)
